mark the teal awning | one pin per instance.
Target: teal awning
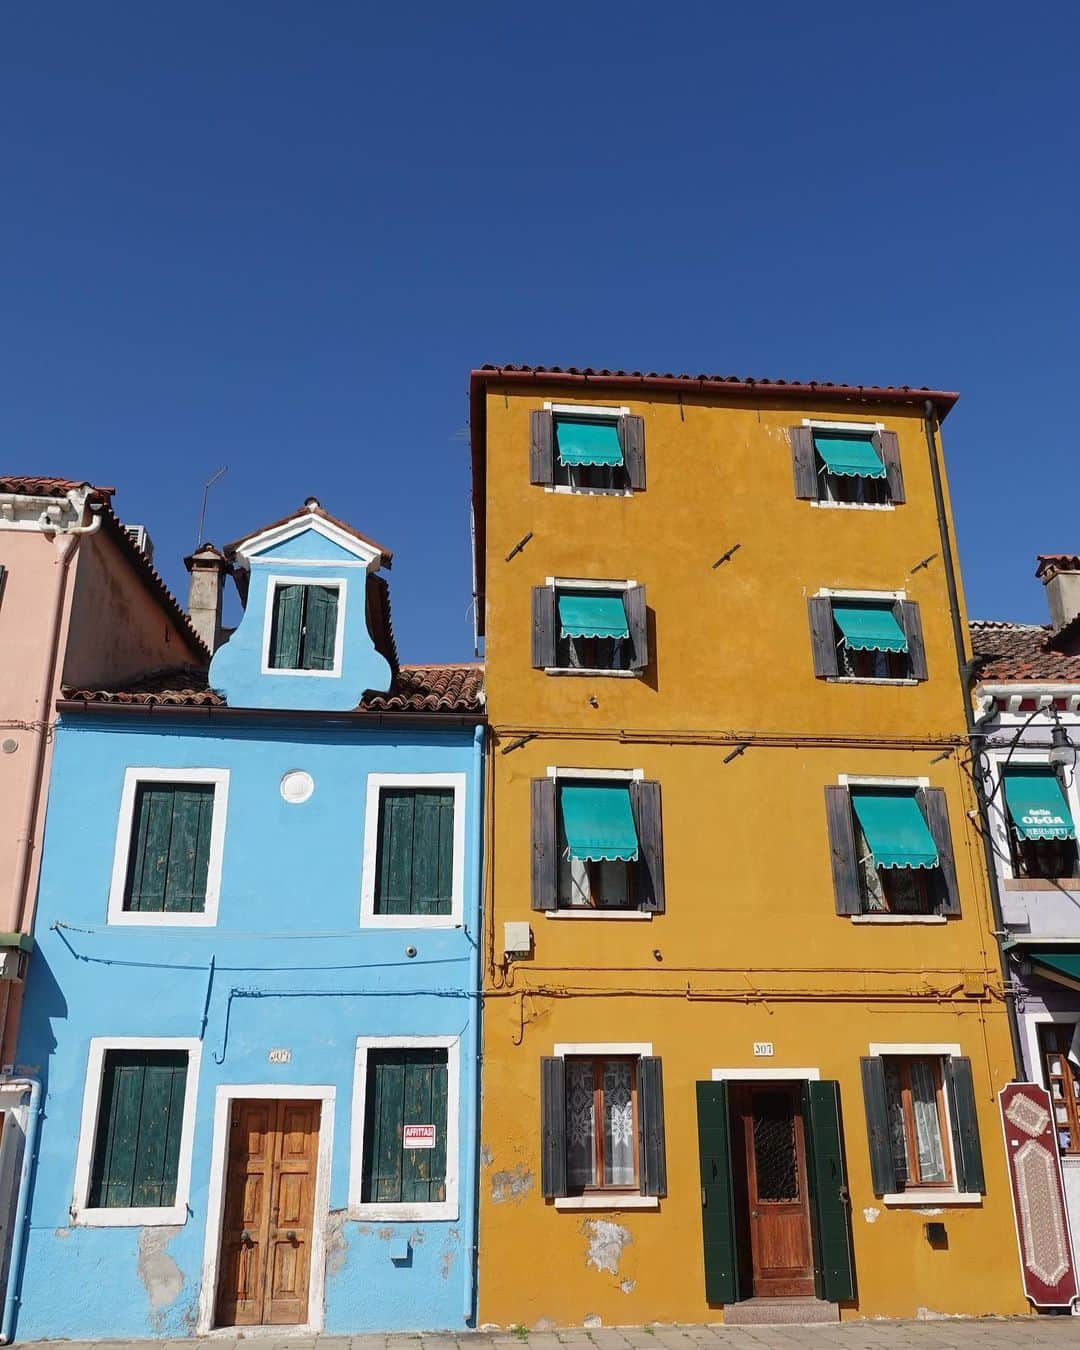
(895, 829)
(870, 628)
(599, 822)
(587, 442)
(1054, 961)
(849, 456)
(1037, 804)
(583, 615)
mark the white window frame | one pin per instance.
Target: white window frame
(226, 1094)
(584, 584)
(605, 1050)
(82, 1214)
(585, 410)
(999, 812)
(375, 784)
(133, 778)
(411, 1211)
(928, 1197)
(273, 581)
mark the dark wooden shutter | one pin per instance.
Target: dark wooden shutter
(632, 440)
(637, 622)
(935, 808)
(911, 623)
(652, 1153)
(543, 627)
(834, 1267)
(545, 860)
(170, 849)
(645, 800)
(845, 862)
(804, 462)
(404, 1087)
(823, 636)
(541, 447)
(287, 625)
(967, 1151)
(717, 1195)
(553, 1127)
(140, 1116)
(887, 444)
(432, 881)
(882, 1172)
(320, 627)
(394, 863)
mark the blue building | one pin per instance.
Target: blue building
(254, 1003)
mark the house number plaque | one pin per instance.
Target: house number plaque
(280, 1056)
(763, 1049)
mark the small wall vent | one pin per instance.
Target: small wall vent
(141, 539)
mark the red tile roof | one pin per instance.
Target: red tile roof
(421, 689)
(1057, 562)
(1009, 652)
(33, 485)
(312, 508)
(746, 389)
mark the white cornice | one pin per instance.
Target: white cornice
(43, 515)
(248, 552)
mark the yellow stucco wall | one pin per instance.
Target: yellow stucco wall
(750, 948)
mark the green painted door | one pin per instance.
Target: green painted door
(717, 1194)
(834, 1268)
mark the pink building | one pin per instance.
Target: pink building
(80, 604)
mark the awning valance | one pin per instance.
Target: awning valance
(870, 628)
(582, 615)
(1037, 804)
(1058, 963)
(587, 441)
(599, 822)
(895, 829)
(849, 456)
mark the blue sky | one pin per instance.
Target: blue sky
(277, 236)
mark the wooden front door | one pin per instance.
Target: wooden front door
(769, 1119)
(266, 1231)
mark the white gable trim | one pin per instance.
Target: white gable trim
(249, 551)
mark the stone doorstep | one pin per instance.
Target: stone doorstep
(763, 1312)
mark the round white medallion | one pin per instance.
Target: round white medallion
(297, 786)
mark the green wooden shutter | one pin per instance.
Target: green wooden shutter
(432, 852)
(170, 848)
(717, 1195)
(320, 627)
(394, 864)
(834, 1268)
(404, 1087)
(967, 1150)
(140, 1117)
(882, 1171)
(287, 627)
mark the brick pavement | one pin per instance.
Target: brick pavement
(984, 1333)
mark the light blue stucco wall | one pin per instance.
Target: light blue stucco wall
(288, 932)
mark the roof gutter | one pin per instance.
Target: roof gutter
(210, 712)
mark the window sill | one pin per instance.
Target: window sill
(572, 1202)
(598, 914)
(410, 921)
(141, 1217)
(443, 1209)
(609, 674)
(855, 679)
(150, 918)
(854, 506)
(567, 490)
(1042, 884)
(898, 918)
(932, 1199)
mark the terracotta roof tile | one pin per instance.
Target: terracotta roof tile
(428, 688)
(1009, 652)
(34, 485)
(1057, 562)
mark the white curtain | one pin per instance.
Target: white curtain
(927, 1122)
(619, 1160)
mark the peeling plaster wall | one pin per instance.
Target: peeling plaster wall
(286, 868)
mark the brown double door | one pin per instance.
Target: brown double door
(265, 1264)
(769, 1156)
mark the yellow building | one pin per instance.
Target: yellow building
(744, 1019)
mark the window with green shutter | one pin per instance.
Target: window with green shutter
(405, 1088)
(303, 630)
(414, 869)
(137, 1142)
(170, 848)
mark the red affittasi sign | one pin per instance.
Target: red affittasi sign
(419, 1136)
(1039, 1209)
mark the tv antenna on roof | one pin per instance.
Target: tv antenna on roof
(206, 492)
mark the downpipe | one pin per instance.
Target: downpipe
(476, 815)
(22, 1204)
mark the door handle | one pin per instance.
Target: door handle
(245, 1237)
(754, 1214)
(289, 1234)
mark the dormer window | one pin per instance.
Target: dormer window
(305, 627)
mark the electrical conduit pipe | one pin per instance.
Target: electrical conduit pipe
(476, 808)
(22, 1204)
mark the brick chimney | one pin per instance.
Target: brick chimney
(1060, 574)
(208, 570)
